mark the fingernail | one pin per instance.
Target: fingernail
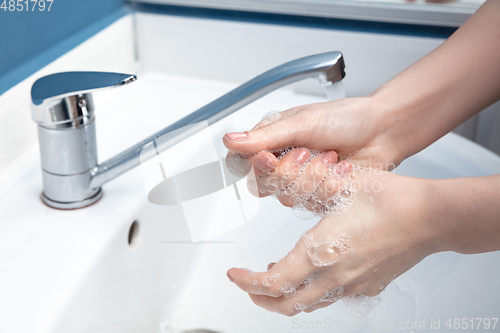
(344, 168)
(229, 277)
(236, 136)
(265, 164)
(301, 156)
(330, 158)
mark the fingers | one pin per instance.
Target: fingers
(270, 266)
(318, 306)
(328, 188)
(314, 173)
(283, 278)
(331, 186)
(298, 129)
(279, 115)
(237, 166)
(263, 162)
(287, 171)
(312, 179)
(260, 164)
(317, 291)
(304, 279)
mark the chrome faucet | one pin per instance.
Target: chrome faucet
(63, 107)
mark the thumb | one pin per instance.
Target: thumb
(294, 131)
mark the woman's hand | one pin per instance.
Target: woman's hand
(314, 181)
(350, 126)
(384, 233)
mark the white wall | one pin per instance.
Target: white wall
(238, 51)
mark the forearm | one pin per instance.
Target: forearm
(443, 89)
(466, 213)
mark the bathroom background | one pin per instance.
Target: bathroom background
(127, 265)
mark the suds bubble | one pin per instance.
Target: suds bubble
(360, 305)
(329, 251)
(287, 288)
(270, 280)
(300, 307)
(332, 296)
(272, 116)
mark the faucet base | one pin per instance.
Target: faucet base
(73, 204)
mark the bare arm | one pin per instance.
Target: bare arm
(418, 106)
(468, 213)
(443, 89)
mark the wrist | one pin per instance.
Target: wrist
(386, 137)
(464, 212)
(440, 234)
(411, 118)
(427, 228)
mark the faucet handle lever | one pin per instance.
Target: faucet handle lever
(54, 97)
(64, 84)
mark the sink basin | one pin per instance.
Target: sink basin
(126, 265)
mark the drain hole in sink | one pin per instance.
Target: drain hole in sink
(133, 235)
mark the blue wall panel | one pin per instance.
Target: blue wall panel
(25, 35)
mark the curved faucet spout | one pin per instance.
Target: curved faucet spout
(326, 67)
(63, 107)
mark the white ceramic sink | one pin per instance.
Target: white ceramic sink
(87, 271)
